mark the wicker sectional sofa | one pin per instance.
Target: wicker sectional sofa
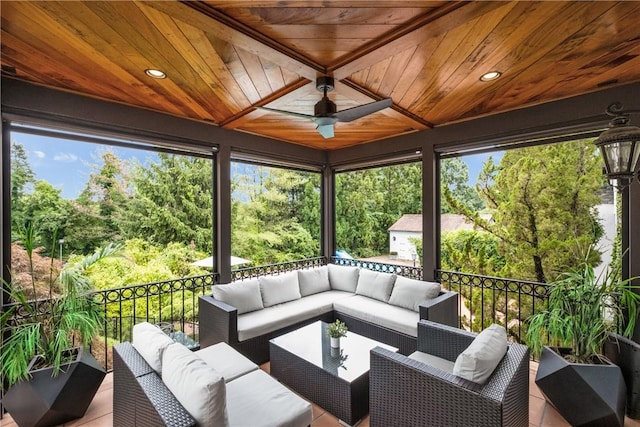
(158, 382)
(381, 306)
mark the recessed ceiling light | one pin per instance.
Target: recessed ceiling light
(156, 74)
(491, 75)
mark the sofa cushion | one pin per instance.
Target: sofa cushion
(256, 399)
(245, 295)
(343, 278)
(279, 289)
(376, 285)
(150, 342)
(478, 361)
(409, 293)
(380, 313)
(226, 361)
(314, 281)
(431, 360)
(197, 386)
(271, 319)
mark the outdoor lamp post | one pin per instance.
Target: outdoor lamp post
(620, 147)
(61, 242)
(414, 255)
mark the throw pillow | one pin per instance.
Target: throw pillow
(150, 342)
(197, 386)
(245, 295)
(314, 281)
(483, 355)
(375, 285)
(409, 293)
(279, 289)
(343, 278)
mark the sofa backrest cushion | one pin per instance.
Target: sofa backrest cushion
(245, 295)
(199, 388)
(409, 293)
(150, 342)
(478, 361)
(314, 281)
(343, 278)
(376, 285)
(279, 289)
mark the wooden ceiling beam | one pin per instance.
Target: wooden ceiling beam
(217, 24)
(423, 28)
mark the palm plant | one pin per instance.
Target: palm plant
(583, 311)
(49, 329)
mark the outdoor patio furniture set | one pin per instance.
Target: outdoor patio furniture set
(402, 370)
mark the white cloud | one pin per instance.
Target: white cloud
(39, 154)
(65, 157)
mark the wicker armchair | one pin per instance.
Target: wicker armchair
(405, 392)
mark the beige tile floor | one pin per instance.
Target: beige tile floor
(99, 413)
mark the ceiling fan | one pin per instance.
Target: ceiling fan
(325, 114)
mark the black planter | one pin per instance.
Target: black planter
(46, 401)
(626, 354)
(584, 394)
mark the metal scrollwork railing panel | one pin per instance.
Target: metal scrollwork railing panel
(412, 272)
(275, 269)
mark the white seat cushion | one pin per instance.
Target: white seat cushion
(314, 280)
(226, 360)
(478, 361)
(271, 319)
(150, 342)
(197, 386)
(380, 313)
(279, 289)
(374, 284)
(409, 293)
(257, 400)
(431, 360)
(244, 296)
(343, 278)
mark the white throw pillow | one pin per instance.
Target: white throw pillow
(279, 289)
(409, 293)
(150, 342)
(375, 285)
(196, 385)
(245, 295)
(343, 278)
(483, 355)
(314, 281)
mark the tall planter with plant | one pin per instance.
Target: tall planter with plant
(574, 376)
(50, 375)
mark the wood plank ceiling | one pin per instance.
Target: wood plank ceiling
(223, 59)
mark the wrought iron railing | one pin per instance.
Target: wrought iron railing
(275, 269)
(413, 272)
(485, 300)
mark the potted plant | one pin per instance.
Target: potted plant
(574, 376)
(44, 343)
(335, 331)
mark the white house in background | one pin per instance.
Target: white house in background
(410, 226)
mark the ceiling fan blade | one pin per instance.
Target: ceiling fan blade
(355, 113)
(289, 113)
(325, 130)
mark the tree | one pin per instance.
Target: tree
(172, 201)
(454, 177)
(542, 201)
(21, 176)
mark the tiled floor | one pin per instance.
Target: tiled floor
(99, 413)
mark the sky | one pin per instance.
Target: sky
(67, 164)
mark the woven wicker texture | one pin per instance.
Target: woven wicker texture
(405, 392)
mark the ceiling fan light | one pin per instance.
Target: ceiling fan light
(325, 130)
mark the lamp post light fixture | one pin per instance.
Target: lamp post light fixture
(620, 146)
(61, 242)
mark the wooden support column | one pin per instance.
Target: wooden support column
(328, 214)
(222, 203)
(430, 214)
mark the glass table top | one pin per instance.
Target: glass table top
(312, 344)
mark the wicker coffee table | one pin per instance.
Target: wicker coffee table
(335, 379)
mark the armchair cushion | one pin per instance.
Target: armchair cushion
(314, 281)
(279, 289)
(199, 388)
(375, 285)
(343, 278)
(409, 293)
(431, 360)
(150, 342)
(244, 296)
(481, 358)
